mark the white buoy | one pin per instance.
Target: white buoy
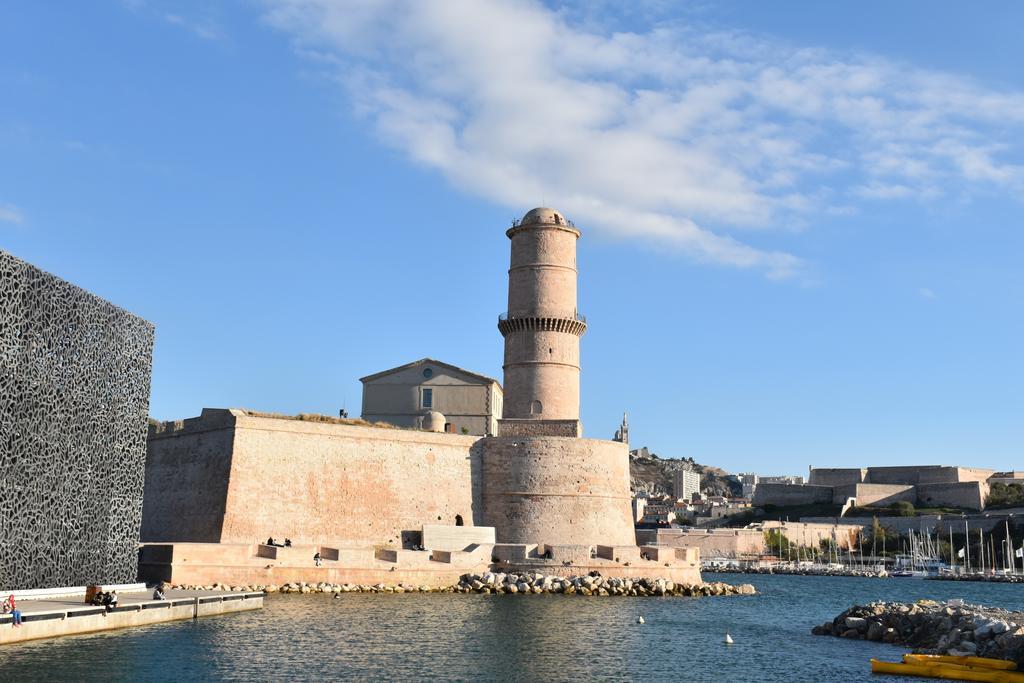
(728, 639)
(640, 620)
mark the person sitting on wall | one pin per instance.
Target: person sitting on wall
(97, 597)
(158, 592)
(9, 606)
(110, 600)
(317, 559)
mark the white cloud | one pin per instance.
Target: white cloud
(684, 137)
(9, 213)
(877, 190)
(926, 293)
(204, 28)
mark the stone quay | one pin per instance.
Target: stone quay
(53, 612)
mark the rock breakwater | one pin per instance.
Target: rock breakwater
(512, 583)
(931, 627)
(987, 578)
(817, 570)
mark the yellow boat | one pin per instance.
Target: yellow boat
(947, 670)
(963, 661)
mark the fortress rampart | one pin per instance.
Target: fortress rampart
(879, 495)
(966, 494)
(792, 494)
(923, 485)
(228, 477)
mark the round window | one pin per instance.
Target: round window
(428, 373)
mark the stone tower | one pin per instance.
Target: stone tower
(542, 329)
(541, 482)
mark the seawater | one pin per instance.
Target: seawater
(504, 637)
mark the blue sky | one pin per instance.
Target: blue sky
(802, 222)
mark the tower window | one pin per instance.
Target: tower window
(427, 398)
(536, 408)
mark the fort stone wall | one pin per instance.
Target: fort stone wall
(810, 534)
(557, 490)
(713, 543)
(841, 476)
(876, 495)
(967, 494)
(974, 474)
(188, 466)
(312, 482)
(792, 494)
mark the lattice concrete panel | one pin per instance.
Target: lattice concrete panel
(74, 400)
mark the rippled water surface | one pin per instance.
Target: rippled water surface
(504, 637)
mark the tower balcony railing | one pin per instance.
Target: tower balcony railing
(575, 315)
(571, 323)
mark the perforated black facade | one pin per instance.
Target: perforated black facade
(74, 399)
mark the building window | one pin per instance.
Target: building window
(428, 373)
(427, 398)
(536, 408)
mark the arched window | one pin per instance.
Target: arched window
(536, 408)
(458, 520)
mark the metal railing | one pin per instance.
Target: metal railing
(565, 316)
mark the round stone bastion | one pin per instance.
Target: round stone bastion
(557, 490)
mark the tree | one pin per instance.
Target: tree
(777, 543)
(905, 508)
(683, 519)
(1002, 495)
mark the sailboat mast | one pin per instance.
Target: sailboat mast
(967, 544)
(952, 550)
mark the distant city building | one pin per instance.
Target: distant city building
(661, 511)
(749, 483)
(686, 483)
(784, 479)
(471, 403)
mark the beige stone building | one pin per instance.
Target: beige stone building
(471, 403)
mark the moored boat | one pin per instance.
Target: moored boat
(966, 660)
(983, 671)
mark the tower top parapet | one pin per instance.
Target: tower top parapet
(543, 217)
